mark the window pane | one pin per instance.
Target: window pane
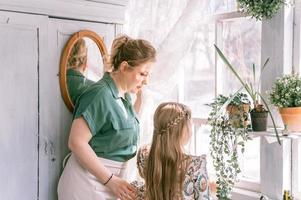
(240, 41)
(250, 161)
(199, 71)
(222, 6)
(202, 146)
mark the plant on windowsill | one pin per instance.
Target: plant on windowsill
(238, 110)
(260, 108)
(226, 140)
(260, 9)
(286, 95)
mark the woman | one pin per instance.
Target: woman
(77, 64)
(169, 173)
(104, 131)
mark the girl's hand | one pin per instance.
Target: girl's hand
(122, 189)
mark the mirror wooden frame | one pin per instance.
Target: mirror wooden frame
(64, 60)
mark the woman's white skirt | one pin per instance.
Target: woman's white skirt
(76, 183)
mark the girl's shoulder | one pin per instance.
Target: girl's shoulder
(196, 164)
(196, 182)
(142, 157)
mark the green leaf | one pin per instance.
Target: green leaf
(225, 60)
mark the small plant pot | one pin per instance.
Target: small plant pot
(292, 118)
(259, 120)
(238, 115)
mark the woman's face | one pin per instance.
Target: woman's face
(137, 76)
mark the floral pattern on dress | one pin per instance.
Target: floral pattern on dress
(195, 186)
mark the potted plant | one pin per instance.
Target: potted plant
(286, 95)
(238, 110)
(260, 9)
(259, 109)
(226, 141)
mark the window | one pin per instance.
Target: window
(240, 39)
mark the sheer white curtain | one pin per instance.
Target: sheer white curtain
(170, 25)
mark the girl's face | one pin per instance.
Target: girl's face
(137, 76)
(187, 132)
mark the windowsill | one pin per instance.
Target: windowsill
(271, 132)
(239, 194)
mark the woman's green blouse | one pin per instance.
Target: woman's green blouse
(77, 84)
(114, 135)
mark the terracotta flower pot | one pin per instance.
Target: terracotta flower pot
(238, 115)
(292, 118)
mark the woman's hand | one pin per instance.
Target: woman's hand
(138, 101)
(122, 189)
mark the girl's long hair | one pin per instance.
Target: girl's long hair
(166, 166)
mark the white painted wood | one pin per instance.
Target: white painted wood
(239, 194)
(118, 29)
(19, 61)
(111, 11)
(296, 169)
(55, 118)
(118, 2)
(275, 170)
(277, 37)
(297, 37)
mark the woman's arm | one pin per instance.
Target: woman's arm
(138, 101)
(79, 138)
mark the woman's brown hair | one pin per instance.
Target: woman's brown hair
(133, 51)
(166, 166)
(78, 55)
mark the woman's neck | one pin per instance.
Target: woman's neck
(119, 82)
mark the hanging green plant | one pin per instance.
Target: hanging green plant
(260, 9)
(226, 140)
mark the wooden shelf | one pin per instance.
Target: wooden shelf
(271, 132)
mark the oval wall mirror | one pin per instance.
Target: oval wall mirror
(82, 64)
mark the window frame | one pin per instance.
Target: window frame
(278, 20)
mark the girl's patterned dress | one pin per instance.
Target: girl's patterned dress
(196, 183)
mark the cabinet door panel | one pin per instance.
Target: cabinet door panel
(19, 62)
(55, 118)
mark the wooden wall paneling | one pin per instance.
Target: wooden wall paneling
(277, 43)
(19, 134)
(55, 118)
(109, 11)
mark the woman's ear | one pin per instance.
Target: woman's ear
(123, 66)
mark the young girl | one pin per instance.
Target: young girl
(169, 173)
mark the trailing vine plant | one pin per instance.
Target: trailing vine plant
(226, 141)
(260, 9)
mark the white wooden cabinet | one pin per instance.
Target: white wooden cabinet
(22, 53)
(109, 11)
(35, 123)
